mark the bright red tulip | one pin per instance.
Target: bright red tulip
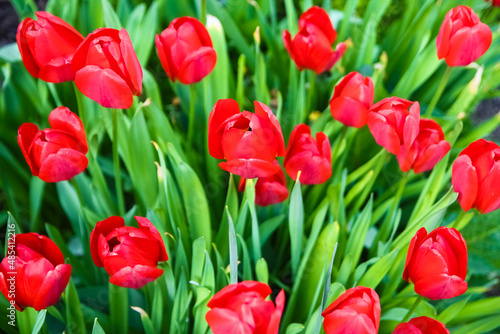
(496, 3)
(186, 51)
(437, 263)
(249, 142)
(421, 325)
(130, 255)
(394, 122)
(312, 157)
(356, 311)
(351, 100)
(40, 273)
(242, 308)
(475, 176)
(107, 69)
(47, 47)
(311, 48)
(270, 189)
(56, 154)
(463, 38)
(426, 151)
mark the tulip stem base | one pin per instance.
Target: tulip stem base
(116, 165)
(118, 308)
(192, 102)
(439, 91)
(412, 309)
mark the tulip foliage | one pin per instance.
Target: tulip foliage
(250, 167)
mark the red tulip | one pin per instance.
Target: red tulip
(496, 3)
(394, 122)
(475, 176)
(351, 100)
(313, 158)
(356, 311)
(249, 142)
(56, 154)
(33, 274)
(311, 48)
(463, 38)
(270, 189)
(130, 255)
(47, 46)
(437, 263)
(421, 325)
(426, 151)
(186, 51)
(107, 69)
(242, 308)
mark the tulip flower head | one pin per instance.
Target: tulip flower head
(56, 154)
(47, 47)
(250, 142)
(185, 50)
(437, 263)
(421, 325)
(463, 38)
(475, 176)
(269, 189)
(40, 273)
(243, 308)
(311, 47)
(130, 255)
(107, 69)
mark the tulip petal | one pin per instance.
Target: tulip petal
(145, 224)
(440, 286)
(348, 111)
(103, 228)
(348, 321)
(468, 44)
(221, 299)
(274, 322)
(222, 321)
(385, 135)
(42, 245)
(406, 328)
(24, 49)
(249, 168)
(197, 65)
(135, 277)
(25, 136)
(464, 181)
(415, 243)
(52, 287)
(63, 165)
(223, 109)
(488, 198)
(63, 119)
(134, 69)
(431, 157)
(265, 112)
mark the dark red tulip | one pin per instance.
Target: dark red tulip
(394, 122)
(130, 255)
(437, 263)
(311, 48)
(496, 3)
(248, 141)
(312, 157)
(107, 69)
(242, 308)
(356, 311)
(56, 154)
(47, 47)
(186, 51)
(421, 325)
(426, 151)
(40, 273)
(269, 189)
(463, 38)
(475, 176)
(351, 100)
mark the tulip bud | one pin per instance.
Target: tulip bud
(421, 325)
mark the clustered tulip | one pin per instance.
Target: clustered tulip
(40, 273)
(475, 174)
(436, 263)
(421, 325)
(185, 50)
(55, 154)
(130, 255)
(311, 48)
(243, 308)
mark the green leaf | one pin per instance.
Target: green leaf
(74, 315)
(40, 319)
(110, 17)
(296, 225)
(451, 311)
(233, 251)
(376, 273)
(198, 259)
(294, 329)
(13, 229)
(485, 325)
(146, 322)
(118, 308)
(250, 194)
(97, 329)
(262, 271)
(10, 53)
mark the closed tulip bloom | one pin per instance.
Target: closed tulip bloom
(40, 273)
(242, 308)
(437, 263)
(269, 189)
(250, 142)
(55, 154)
(421, 325)
(186, 51)
(394, 122)
(47, 46)
(475, 176)
(463, 38)
(496, 3)
(107, 69)
(312, 157)
(426, 151)
(311, 48)
(130, 255)
(351, 100)
(356, 311)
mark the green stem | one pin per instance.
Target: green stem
(412, 309)
(81, 110)
(301, 106)
(339, 143)
(116, 165)
(192, 98)
(250, 193)
(118, 309)
(53, 92)
(204, 12)
(439, 91)
(456, 224)
(310, 93)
